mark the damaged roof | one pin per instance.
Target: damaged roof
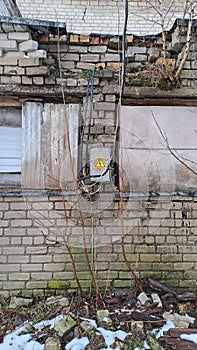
(9, 8)
(10, 13)
(41, 26)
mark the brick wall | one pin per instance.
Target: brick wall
(29, 58)
(160, 239)
(160, 231)
(100, 16)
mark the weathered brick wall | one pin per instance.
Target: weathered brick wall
(19, 56)
(29, 58)
(160, 231)
(103, 16)
(160, 239)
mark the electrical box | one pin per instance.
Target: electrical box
(99, 163)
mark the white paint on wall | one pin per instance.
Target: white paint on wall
(104, 16)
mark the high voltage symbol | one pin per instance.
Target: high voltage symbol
(99, 164)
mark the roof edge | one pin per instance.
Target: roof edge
(31, 22)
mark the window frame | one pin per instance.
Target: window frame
(11, 179)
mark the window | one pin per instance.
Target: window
(10, 145)
(35, 143)
(10, 140)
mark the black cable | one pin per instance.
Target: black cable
(124, 48)
(90, 116)
(84, 123)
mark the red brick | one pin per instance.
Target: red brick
(84, 39)
(94, 40)
(74, 38)
(100, 64)
(43, 38)
(114, 65)
(104, 41)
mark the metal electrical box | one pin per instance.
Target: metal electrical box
(99, 163)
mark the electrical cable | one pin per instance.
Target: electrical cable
(90, 95)
(85, 110)
(90, 115)
(126, 11)
(84, 124)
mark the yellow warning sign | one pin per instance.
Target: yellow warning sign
(99, 164)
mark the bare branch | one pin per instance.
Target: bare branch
(154, 7)
(185, 158)
(126, 12)
(187, 46)
(172, 152)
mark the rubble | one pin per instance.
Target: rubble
(178, 320)
(142, 298)
(17, 301)
(52, 343)
(124, 319)
(64, 325)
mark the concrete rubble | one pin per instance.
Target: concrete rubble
(156, 319)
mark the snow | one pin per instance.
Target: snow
(165, 328)
(39, 326)
(191, 319)
(77, 344)
(190, 337)
(145, 347)
(18, 341)
(110, 336)
(91, 322)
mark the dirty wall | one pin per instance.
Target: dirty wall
(105, 16)
(156, 232)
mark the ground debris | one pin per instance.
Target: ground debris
(153, 343)
(123, 320)
(172, 339)
(155, 285)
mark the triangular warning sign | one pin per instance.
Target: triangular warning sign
(99, 164)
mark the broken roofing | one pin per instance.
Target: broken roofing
(10, 13)
(41, 26)
(9, 8)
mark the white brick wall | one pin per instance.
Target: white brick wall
(102, 16)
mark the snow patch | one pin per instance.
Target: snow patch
(77, 344)
(165, 328)
(18, 341)
(190, 337)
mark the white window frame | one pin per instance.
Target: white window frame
(10, 149)
(10, 143)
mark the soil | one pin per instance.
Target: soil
(125, 313)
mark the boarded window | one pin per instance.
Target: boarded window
(146, 163)
(50, 145)
(10, 140)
